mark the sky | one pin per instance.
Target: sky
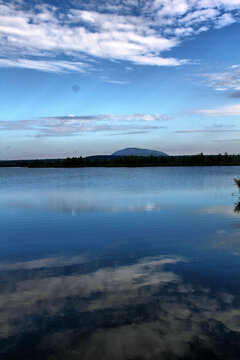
(80, 78)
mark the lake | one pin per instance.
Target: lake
(119, 263)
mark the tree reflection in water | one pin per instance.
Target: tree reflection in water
(237, 205)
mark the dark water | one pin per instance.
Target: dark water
(119, 264)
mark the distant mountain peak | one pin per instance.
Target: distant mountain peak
(138, 152)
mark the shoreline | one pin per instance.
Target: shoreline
(128, 161)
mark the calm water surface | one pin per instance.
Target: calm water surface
(119, 264)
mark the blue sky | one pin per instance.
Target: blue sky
(86, 77)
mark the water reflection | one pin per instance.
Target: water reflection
(113, 190)
(99, 285)
(143, 310)
(78, 202)
(217, 210)
(74, 202)
(228, 240)
(237, 205)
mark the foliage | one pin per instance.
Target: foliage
(237, 205)
(237, 208)
(237, 182)
(132, 161)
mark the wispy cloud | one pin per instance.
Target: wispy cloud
(27, 33)
(236, 140)
(136, 132)
(215, 128)
(44, 65)
(71, 131)
(231, 110)
(41, 36)
(73, 125)
(191, 131)
(234, 94)
(220, 126)
(225, 80)
(106, 117)
(113, 81)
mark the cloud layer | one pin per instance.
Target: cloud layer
(48, 38)
(72, 125)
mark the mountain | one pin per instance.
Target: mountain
(138, 152)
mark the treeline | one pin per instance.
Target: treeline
(130, 161)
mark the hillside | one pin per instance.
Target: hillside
(138, 152)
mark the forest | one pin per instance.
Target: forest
(129, 161)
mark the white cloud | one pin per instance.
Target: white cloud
(32, 36)
(113, 81)
(108, 36)
(44, 65)
(224, 20)
(199, 16)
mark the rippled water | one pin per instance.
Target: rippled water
(119, 264)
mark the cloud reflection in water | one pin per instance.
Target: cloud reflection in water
(78, 201)
(142, 310)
